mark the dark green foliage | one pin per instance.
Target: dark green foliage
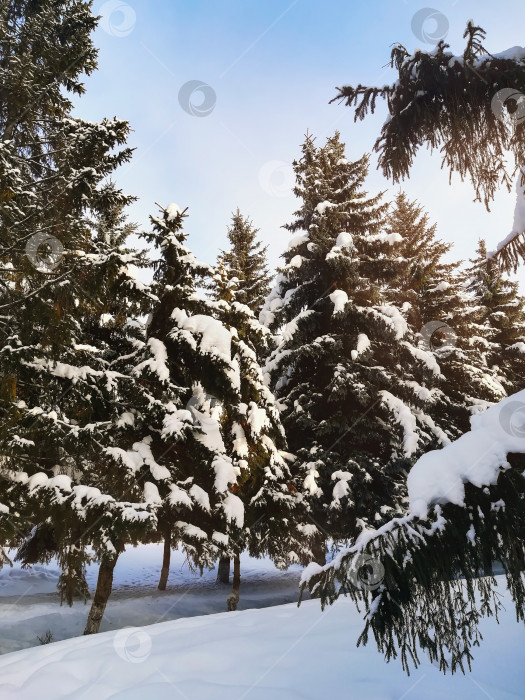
(275, 522)
(181, 384)
(432, 594)
(246, 260)
(114, 433)
(44, 49)
(449, 103)
(434, 291)
(500, 317)
(353, 385)
(66, 317)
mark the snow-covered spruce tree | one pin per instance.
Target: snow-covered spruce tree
(274, 509)
(465, 512)
(60, 391)
(45, 48)
(84, 410)
(442, 313)
(70, 420)
(353, 384)
(246, 260)
(501, 316)
(440, 100)
(45, 156)
(417, 254)
(470, 107)
(187, 378)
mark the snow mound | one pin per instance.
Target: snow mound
(476, 457)
(282, 652)
(173, 210)
(339, 299)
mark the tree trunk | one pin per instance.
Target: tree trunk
(319, 551)
(233, 599)
(488, 569)
(223, 570)
(10, 126)
(165, 571)
(102, 593)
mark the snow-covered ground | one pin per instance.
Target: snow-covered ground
(29, 604)
(279, 653)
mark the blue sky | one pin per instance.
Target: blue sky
(272, 66)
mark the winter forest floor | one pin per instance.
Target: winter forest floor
(29, 603)
(282, 652)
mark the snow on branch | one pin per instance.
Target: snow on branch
(406, 419)
(477, 457)
(469, 107)
(511, 250)
(439, 476)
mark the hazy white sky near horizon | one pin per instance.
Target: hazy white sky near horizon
(273, 66)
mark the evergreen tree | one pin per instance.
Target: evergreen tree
(46, 47)
(352, 382)
(73, 419)
(501, 318)
(187, 378)
(68, 295)
(246, 260)
(441, 99)
(417, 255)
(469, 107)
(442, 313)
(426, 578)
(274, 522)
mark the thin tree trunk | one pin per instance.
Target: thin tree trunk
(165, 571)
(223, 570)
(102, 593)
(233, 599)
(488, 568)
(10, 127)
(319, 552)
